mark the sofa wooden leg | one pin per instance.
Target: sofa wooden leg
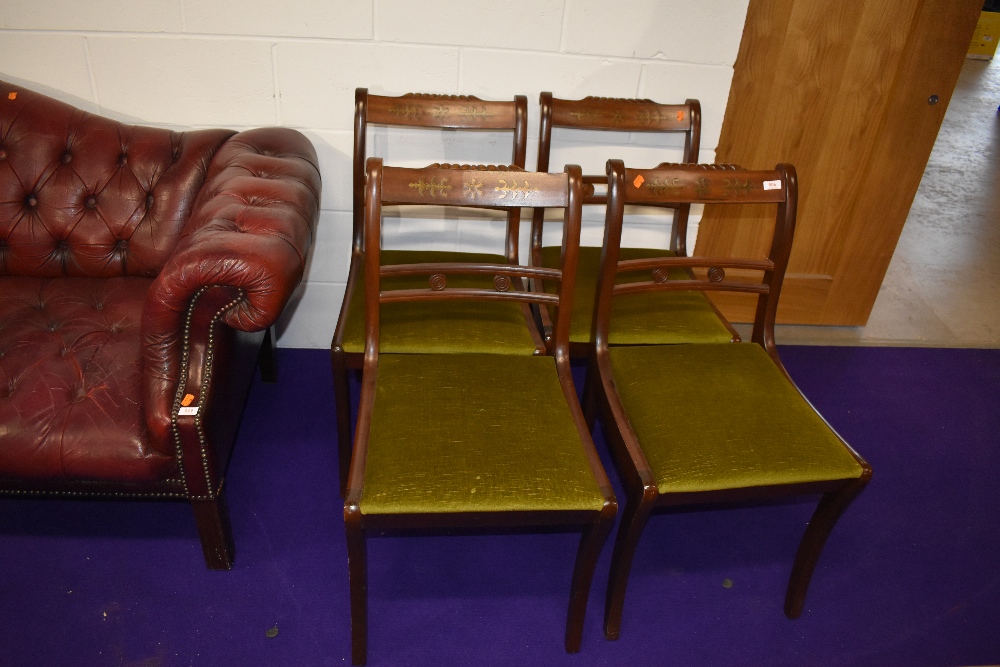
(212, 517)
(267, 358)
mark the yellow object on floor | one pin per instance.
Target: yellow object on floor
(984, 39)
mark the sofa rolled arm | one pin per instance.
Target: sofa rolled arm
(250, 229)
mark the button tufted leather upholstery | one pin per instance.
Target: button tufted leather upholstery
(138, 265)
(71, 378)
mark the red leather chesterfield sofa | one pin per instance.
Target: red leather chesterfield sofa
(140, 271)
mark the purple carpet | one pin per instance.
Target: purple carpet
(910, 576)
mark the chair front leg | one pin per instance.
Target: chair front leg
(591, 542)
(357, 558)
(831, 507)
(637, 510)
(342, 397)
(212, 517)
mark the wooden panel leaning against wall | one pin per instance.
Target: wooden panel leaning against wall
(842, 89)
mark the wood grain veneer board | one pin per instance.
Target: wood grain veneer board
(839, 89)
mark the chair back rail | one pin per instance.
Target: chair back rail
(464, 112)
(615, 113)
(622, 115)
(687, 183)
(446, 111)
(470, 187)
(469, 268)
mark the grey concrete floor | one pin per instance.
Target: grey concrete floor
(942, 285)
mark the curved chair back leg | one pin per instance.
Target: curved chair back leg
(830, 507)
(629, 531)
(591, 542)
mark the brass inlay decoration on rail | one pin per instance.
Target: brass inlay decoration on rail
(701, 187)
(435, 188)
(666, 187)
(616, 116)
(513, 188)
(474, 189)
(734, 187)
(404, 111)
(649, 117)
(476, 113)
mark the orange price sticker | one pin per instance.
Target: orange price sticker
(680, 115)
(639, 180)
(188, 398)
(11, 96)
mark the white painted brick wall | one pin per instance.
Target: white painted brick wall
(329, 263)
(335, 150)
(93, 15)
(529, 73)
(245, 63)
(672, 30)
(219, 81)
(513, 24)
(52, 63)
(316, 79)
(677, 81)
(326, 19)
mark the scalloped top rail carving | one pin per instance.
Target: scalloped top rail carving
(686, 183)
(437, 96)
(619, 113)
(702, 167)
(476, 167)
(452, 111)
(627, 100)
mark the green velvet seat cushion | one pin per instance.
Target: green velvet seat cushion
(712, 417)
(640, 319)
(436, 327)
(473, 433)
